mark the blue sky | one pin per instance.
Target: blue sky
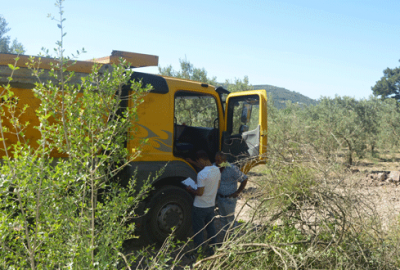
(317, 48)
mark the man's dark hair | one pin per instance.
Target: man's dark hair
(201, 154)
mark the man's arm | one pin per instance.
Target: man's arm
(198, 192)
(240, 189)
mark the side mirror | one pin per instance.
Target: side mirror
(216, 123)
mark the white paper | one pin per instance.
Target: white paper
(189, 182)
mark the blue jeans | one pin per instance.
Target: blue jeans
(202, 217)
(226, 208)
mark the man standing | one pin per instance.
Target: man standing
(228, 191)
(208, 181)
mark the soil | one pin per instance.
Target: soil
(362, 177)
(384, 194)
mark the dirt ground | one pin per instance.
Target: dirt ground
(362, 177)
(384, 194)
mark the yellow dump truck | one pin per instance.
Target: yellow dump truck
(178, 117)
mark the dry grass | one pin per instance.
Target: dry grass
(366, 217)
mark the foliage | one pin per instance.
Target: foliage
(70, 212)
(334, 124)
(339, 119)
(389, 85)
(197, 112)
(188, 72)
(5, 41)
(389, 125)
(238, 85)
(52, 215)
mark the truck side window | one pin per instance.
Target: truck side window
(195, 124)
(192, 109)
(243, 114)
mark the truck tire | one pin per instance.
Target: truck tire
(170, 207)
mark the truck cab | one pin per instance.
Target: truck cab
(179, 118)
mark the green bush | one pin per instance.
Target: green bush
(68, 212)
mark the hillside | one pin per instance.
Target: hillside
(282, 95)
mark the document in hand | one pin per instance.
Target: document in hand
(190, 182)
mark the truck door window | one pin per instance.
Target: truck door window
(244, 114)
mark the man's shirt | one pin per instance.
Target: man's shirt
(208, 178)
(230, 176)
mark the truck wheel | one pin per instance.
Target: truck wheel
(170, 207)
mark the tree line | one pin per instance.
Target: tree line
(6, 45)
(359, 127)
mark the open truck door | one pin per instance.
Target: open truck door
(244, 139)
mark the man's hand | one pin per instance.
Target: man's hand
(240, 189)
(198, 192)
